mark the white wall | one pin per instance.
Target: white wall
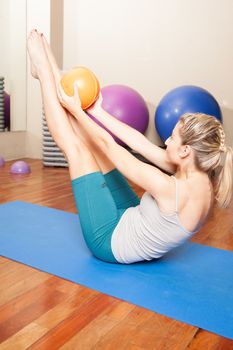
(16, 19)
(154, 46)
(56, 29)
(17, 60)
(13, 145)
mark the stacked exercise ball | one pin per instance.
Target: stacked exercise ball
(122, 102)
(183, 99)
(88, 85)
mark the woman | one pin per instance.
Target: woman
(117, 226)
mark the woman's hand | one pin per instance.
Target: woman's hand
(96, 108)
(71, 103)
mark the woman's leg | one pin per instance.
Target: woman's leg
(103, 161)
(122, 193)
(80, 160)
(91, 193)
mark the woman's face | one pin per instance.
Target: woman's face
(173, 144)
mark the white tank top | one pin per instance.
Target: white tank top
(145, 233)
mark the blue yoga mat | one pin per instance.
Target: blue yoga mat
(193, 283)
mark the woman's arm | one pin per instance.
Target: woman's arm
(133, 138)
(146, 176)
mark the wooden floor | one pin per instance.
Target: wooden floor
(41, 311)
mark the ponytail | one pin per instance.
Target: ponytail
(224, 179)
(206, 136)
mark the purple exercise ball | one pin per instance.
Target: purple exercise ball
(2, 161)
(20, 167)
(127, 105)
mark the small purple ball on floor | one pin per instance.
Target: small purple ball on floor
(20, 167)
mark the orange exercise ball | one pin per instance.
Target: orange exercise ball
(88, 85)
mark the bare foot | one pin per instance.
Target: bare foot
(55, 69)
(36, 52)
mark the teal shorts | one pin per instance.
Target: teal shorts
(101, 200)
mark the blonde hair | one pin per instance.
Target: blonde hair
(206, 136)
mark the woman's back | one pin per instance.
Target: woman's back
(191, 198)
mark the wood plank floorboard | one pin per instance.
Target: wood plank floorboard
(41, 311)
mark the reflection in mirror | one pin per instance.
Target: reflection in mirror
(13, 65)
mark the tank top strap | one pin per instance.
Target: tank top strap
(177, 193)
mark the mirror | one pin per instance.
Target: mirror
(13, 65)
